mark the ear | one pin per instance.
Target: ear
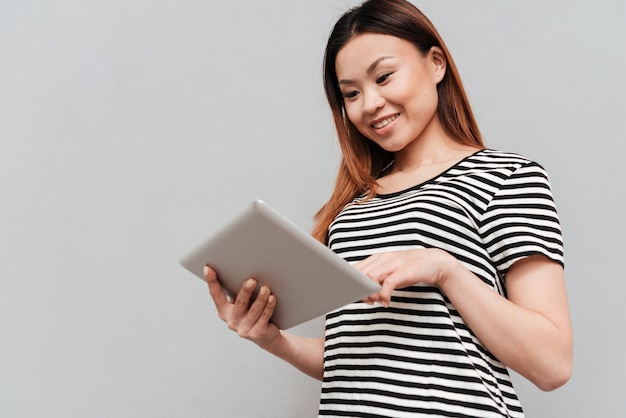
(438, 62)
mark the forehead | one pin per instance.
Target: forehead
(364, 49)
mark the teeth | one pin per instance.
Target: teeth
(385, 122)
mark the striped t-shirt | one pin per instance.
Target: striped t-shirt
(417, 357)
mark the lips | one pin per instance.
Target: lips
(381, 123)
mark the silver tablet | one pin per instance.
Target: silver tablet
(307, 278)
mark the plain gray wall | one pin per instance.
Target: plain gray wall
(130, 129)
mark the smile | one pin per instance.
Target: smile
(385, 122)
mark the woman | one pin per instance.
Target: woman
(465, 241)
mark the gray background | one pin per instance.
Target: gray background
(130, 129)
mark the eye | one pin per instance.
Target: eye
(383, 78)
(350, 94)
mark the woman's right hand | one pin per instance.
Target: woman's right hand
(250, 321)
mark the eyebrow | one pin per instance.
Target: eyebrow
(371, 68)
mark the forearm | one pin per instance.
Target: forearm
(525, 340)
(306, 354)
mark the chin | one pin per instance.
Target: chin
(391, 147)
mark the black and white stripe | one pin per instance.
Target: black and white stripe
(418, 357)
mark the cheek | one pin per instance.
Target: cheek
(415, 94)
(424, 102)
(353, 113)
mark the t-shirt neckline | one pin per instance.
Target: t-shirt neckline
(430, 180)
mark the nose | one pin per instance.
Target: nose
(372, 101)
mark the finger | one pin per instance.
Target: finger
(369, 300)
(376, 267)
(378, 273)
(258, 306)
(367, 263)
(374, 299)
(268, 310)
(385, 293)
(215, 288)
(242, 301)
(261, 329)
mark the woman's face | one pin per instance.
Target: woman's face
(389, 88)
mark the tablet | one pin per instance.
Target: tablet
(307, 278)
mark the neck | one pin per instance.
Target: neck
(433, 147)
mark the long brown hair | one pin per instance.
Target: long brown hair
(362, 160)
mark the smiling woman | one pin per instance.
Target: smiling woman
(464, 241)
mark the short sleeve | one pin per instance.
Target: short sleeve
(521, 219)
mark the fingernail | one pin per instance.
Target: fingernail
(206, 270)
(250, 283)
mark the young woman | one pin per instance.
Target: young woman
(465, 241)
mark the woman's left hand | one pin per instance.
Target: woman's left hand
(400, 269)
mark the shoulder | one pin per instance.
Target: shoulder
(506, 158)
(489, 174)
(504, 163)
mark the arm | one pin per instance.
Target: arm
(530, 332)
(251, 321)
(305, 354)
